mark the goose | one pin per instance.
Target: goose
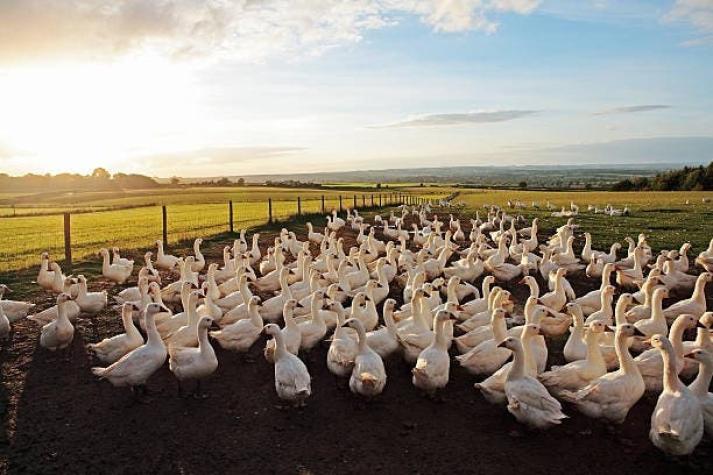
(497, 298)
(682, 264)
(149, 270)
(677, 420)
(574, 348)
(70, 307)
(700, 386)
(364, 310)
(488, 357)
(343, 347)
(290, 333)
(528, 400)
(676, 280)
(292, 380)
(592, 301)
(696, 304)
(136, 367)
(577, 374)
(59, 333)
(14, 309)
(493, 387)
(368, 376)
(90, 302)
(272, 307)
(384, 340)
(314, 329)
(334, 222)
(243, 334)
(643, 310)
(604, 314)
(612, 395)
(556, 299)
(5, 327)
(186, 334)
(313, 236)
(169, 325)
(59, 279)
(704, 340)
(433, 363)
(208, 308)
(478, 305)
(121, 261)
(45, 277)
(117, 273)
(414, 334)
(656, 323)
(198, 259)
(467, 269)
(234, 299)
(631, 277)
(133, 294)
(111, 349)
(188, 363)
(650, 363)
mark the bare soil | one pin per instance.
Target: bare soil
(57, 418)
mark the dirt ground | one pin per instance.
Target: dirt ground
(58, 418)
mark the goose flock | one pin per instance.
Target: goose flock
(453, 279)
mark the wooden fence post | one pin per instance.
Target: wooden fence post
(355, 203)
(363, 201)
(379, 200)
(372, 200)
(322, 204)
(269, 210)
(299, 206)
(68, 241)
(230, 216)
(164, 225)
(340, 203)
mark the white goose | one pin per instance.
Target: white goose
(577, 374)
(243, 334)
(488, 357)
(433, 363)
(700, 385)
(613, 394)
(59, 333)
(384, 340)
(189, 363)
(696, 304)
(292, 380)
(528, 399)
(677, 420)
(90, 302)
(118, 273)
(14, 309)
(368, 376)
(111, 349)
(164, 261)
(290, 333)
(45, 277)
(137, 366)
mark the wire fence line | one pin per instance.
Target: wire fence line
(77, 235)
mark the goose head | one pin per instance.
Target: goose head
(62, 298)
(626, 330)
(596, 326)
(511, 343)
(204, 323)
(701, 356)
(271, 329)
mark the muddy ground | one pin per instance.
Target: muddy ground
(59, 419)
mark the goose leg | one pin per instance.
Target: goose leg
(198, 394)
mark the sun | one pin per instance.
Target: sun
(76, 117)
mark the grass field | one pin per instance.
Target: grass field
(663, 216)
(192, 212)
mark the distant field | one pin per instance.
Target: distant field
(663, 216)
(192, 212)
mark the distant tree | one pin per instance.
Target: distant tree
(241, 181)
(522, 185)
(378, 186)
(421, 185)
(175, 180)
(223, 182)
(101, 173)
(588, 186)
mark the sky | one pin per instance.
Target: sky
(237, 87)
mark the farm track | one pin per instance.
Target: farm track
(59, 418)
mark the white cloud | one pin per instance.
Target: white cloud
(461, 118)
(246, 29)
(633, 109)
(698, 14)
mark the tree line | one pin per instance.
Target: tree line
(100, 179)
(685, 179)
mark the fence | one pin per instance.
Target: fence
(79, 235)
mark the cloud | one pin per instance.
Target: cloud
(698, 14)
(243, 29)
(633, 109)
(214, 156)
(462, 118)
